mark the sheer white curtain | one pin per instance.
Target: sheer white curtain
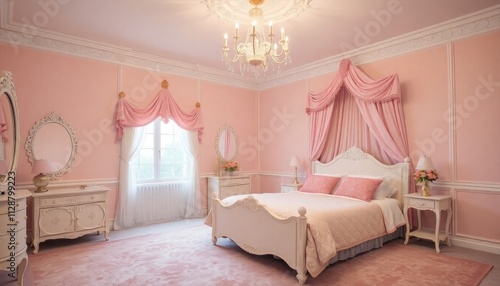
(190, 144)
(127, 191)
(130, 211)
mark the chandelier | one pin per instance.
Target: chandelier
(261, 48)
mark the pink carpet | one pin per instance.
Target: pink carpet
(188, 257)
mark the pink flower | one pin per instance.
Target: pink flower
(231, 166)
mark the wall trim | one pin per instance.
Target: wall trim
(475, 244)
(472, 186)
(13, 34)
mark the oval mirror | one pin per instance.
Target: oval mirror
(53, 139)
(226, 144)
(9, 126)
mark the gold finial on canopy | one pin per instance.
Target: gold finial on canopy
(164, 84)
(121, 94)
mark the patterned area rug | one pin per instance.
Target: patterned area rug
(188, 257)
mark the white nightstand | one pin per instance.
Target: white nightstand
(285, 188)
(435, 204)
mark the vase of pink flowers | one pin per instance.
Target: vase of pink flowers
(230, 167)
(425, 176)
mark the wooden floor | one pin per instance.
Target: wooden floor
(492, 279)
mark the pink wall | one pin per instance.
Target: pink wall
(451, 98)
(272, 124)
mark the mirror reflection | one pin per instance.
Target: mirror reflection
(226, 144)
(53, 140)
(9, 132)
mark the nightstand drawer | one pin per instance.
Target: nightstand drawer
(421, 203)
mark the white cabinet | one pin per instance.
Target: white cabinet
(227, 186)
(69, 213)
(13, 256)
(285, 188)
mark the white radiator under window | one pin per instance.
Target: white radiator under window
(160, 202)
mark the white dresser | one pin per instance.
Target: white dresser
(69, 213)
(226, 186)
(13, 256)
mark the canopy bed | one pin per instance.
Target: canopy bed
(310, 230)
(353, 110)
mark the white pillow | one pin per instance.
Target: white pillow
(384, 190)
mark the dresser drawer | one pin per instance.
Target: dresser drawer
(421, 203)
(19, 204)
(19, 220)
(19, 241)
(234, 182)
(59, 201)
(234, 190)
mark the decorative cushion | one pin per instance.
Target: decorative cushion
(319, 184)
(384, 190)
(358, 188)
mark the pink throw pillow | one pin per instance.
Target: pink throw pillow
(358, 188)
(319, 184)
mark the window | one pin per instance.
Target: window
(162, 157)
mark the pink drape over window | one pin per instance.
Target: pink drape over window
(129, 115)
(379, 103)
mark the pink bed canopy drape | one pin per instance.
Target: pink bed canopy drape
(379, 105)
(129, 115)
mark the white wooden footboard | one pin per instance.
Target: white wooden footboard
(254, 229)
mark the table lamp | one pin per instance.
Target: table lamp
(295, 163)
(41, 168)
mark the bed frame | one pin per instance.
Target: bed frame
(253, 228)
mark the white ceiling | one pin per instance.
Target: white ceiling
(184, 30)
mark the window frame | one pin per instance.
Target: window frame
(157, 154)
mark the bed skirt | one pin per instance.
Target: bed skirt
(368, 245)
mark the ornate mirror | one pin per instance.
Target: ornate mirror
(52, 139)
(226, 144)
(9, 127)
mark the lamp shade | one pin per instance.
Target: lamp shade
(425, 163)
(41, 166)
(295, 161)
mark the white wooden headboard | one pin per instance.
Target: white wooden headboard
(356, 162)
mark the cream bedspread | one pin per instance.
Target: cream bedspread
(334, 223)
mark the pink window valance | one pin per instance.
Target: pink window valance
(164, 106)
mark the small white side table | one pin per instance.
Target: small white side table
(432, 203)
(285, 188)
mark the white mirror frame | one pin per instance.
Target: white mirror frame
(222, 130)
(53, 118)
(7, 87)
